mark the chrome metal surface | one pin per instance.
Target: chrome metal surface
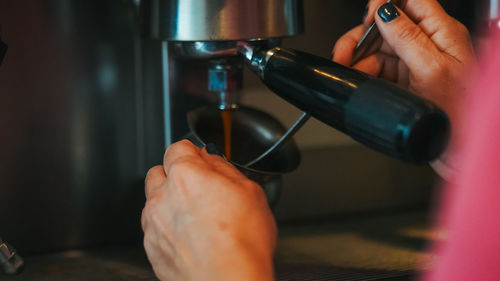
(368, 41)
(215, 49)
(283, 140)
(371, 36)
(207, 20)
(256, 56)
(227, 100)
(205, 49)
(225, 79)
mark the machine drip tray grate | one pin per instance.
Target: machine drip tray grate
(328, 273)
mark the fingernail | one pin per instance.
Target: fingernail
(331, 56)
(212, 149)
(364, 14)
(388, 12)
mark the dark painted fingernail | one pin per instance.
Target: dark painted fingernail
(364, 14)
(213, 149)
(388, 12)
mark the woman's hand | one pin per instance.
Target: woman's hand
(204, 220)
(423, 50)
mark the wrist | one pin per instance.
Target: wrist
(237, 264)
(239, 270)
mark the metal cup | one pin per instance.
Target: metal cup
(253, 132)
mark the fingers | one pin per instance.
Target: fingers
(406, 39)
(380, 65)
(429, 15)
(424, 26)
(188, 165)
(403, 75)
(417, 10)
(221, 166)
(182, 151)
(155, 179)
(446, 32)
(344, 48)
(452, 38)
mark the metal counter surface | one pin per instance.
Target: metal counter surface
(383, 247)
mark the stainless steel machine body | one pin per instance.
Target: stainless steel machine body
(217, 20)
(196, 35)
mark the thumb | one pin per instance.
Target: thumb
(405, 38)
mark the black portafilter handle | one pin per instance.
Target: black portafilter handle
(372, 111)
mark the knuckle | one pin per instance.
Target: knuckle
(153, 173)
(149, 175)
(183, 166)
(176, 146)
(155, 217)
(186, 173)
(153, 203)
(464, 32)
(255, 190)
(153, 214)
(179, 145)
(343, 39)
(409, 34)
(461, 28)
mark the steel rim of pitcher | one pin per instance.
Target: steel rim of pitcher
(285, 138)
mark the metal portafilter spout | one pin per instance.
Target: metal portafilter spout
(225, 79)
(374, 112)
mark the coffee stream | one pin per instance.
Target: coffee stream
(227, 119)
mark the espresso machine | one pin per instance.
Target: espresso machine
(113, 84)
(205, 45)
(199, 49)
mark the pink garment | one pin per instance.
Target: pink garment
(471, 211)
